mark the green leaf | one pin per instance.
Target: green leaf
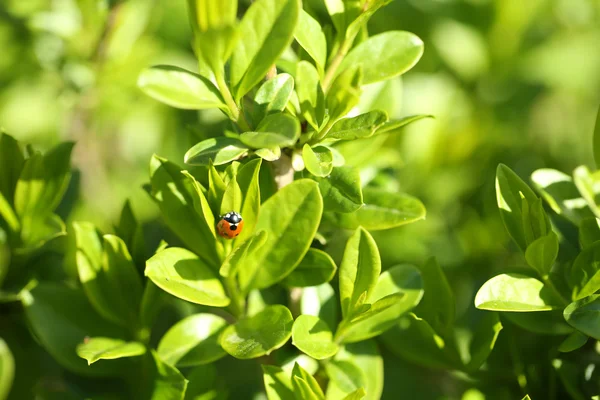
(273, 96)
(384, 56)
(515, 292)
(561, 194)
(438, 305)
(159, 380)
(277, 383)
(310, 94)
(361, 126)
(219, 150)
(8, 215)
(101, 348)
(583, 315)
(313, 336)
(310, 36)
(484, 339)
(181, 273)
(183, 208)
(382, 210)
(179, 88)
(341, 190)
(11, 165)
(193, 341)
(359, 270)
(290, 218)
(205, 383)
(509, 189)
(260, 334)
(266, 30)
(41, 186)
(151, 305)
(573, 342)
(238, 257)
(275, 130)
(316, 267)
(7, 367)
(589, 232)
(570, 374)
(321, 302)
(587, 184)
(248, 179)
(402, 279)
(344, 93)
(318, 160)
(544, 323)
(542, 253)
(273, 154)
(130, 230)
(366, 356)
(232, 198)
(61, 318)
(395, 126)
(584, 276)
(358, 394)
(344, 376)
(596, 141)
(305, 386)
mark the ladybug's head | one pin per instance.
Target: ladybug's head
(233, 217)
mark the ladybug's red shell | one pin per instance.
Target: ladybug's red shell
(230, 225)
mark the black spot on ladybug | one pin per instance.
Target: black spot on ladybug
(233, 227)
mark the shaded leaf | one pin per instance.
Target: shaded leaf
(316, 267)
(584, 276)
(484, 340)
(583, 315)
(219, 150)
(321, 302)
(274, 130)
(277, 383)
(341, 190)
(573, 342)
(273, 95)
(437, 306)
(310, 94)
(7, 368)
(542, 253)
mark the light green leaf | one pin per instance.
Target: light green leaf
(101, 348)
(358, 394)
(437, 306)
(232, 198)
(305, 386)
(162, 381)
(316, 267)
(151, 305)
(260, 334)
(290, 218)
(238, 257)
(484, 340)
(574, 341)
(385, 55)
(11, 165)
(359, 270)
(273, 96)
(393, 127)
(193, 341)
(219, 150)
(589, 232)
(321, 302)
(277, 383)
(583, 315)
(361, 126)
(318, 160)
(273, 154)
(401, 279)
(266, 30)
(179, 88)
(509, 189)
(8, 215)
(561, 194)
(365, 355)
(310, 94)
(274, 130)
(310, 36)
(7, 368)
(181, 273)
(248, 179)
(341, 190)
(313, 336)
(588, 184)
(584, 276)
(344, 377)
(344, 93)
(382, 210)
(515, 292)
(61, 318)
(542, 253)
(182, 207)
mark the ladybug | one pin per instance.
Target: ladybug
(230, 225)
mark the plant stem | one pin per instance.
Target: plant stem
(237, 305)
(335, 63)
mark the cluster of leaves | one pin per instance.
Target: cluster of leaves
(556, 295)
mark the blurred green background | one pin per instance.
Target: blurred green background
(508, 81)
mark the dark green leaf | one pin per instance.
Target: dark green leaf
(545, 323)
(589, 232)
(318, 160)
(341, 190)
(584, 276)
(382, 210)
(359, 270)
(344, 377)
(101, 348)
(205, 383)
(179, 88)
(313, 336)
(181, 273)
(597, 140)
(159, 380)
(573, 342)
(193, 341)
(484, 339)
(266, 30)
(277, 383)
(344, 93)
(385, 56)
(7, 369)
(396, 126)
(569, 373)
(316, 267)
(361, 126)
(152, 303)
(260, 334)
(310, 94)
(273, 95)
(583, 315)
(130, 230)
(290, 218)
(219, 150)
(542, 253)
(515, 292)
(275, 130)
(11, 164)
(305, 386)
(437, 306)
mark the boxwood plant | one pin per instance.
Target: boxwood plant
(283, 293)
